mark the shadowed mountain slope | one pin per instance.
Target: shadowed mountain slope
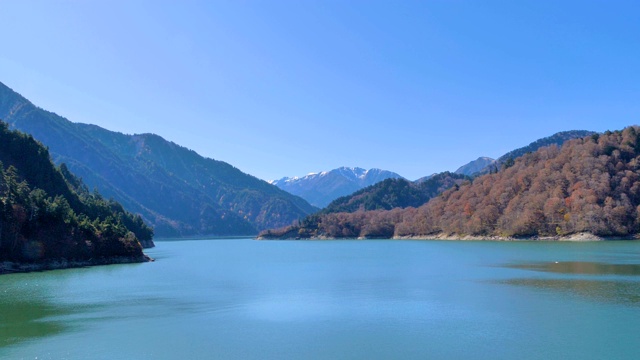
(176, 190)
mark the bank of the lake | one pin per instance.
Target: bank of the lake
(583, 236)
(9, 267)
(346, 299)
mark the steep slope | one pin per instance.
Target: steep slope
(47, 214)
(555, 139)
(320, 189)
(589, 185)
(475, 166)
(395, 193)
(178, 191)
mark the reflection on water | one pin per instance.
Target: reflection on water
(623, 288)
(618, 292)
(333, 300)
(582, 267)
(23, 320)
(26, 315)
(30, 308)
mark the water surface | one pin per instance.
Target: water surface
(374, 299)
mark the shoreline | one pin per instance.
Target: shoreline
(10, 267)
(578, 237)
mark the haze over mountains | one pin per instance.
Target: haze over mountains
(320, 189)
(176, 190)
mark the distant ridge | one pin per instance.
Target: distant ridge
(320, 189)
(176, 190)
(475, 166)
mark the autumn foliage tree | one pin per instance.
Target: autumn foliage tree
(591, 184)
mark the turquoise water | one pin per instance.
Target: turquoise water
(373, 299)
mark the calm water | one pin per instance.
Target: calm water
(376, 299)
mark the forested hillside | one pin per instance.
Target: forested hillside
(46, 213)
(173, 188)
(589, 185)
(555, 139)
(390, 194)
(394, 193)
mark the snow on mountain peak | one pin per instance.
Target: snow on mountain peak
(322, 187)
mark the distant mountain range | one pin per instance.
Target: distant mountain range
(320, 189)
(584, 189)
(176, 190)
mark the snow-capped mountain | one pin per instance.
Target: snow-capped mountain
(321, 188)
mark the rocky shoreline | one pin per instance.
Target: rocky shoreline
(9, 267)
(578, 237)
(147, 244)
(571, 237)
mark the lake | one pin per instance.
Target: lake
(346, 299)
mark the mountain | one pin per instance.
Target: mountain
(320, 189)
(173, 188)
(395, 193)
(590, 186)
(387, 195)
(475, 166)
(48, 218)
(403, 193)
(555, 139)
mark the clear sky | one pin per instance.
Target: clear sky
(284, 88)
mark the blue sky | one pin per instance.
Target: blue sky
(284, 88)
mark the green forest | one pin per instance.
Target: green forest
(46, 213)
(588, 185)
